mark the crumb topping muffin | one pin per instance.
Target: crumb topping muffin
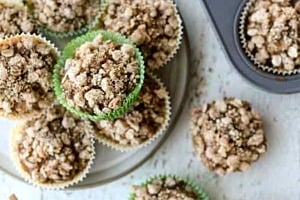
(14, 19)
(168, 188)
(149, 117)
(228, 135)
(153, 25)
(54, 148)
(100, 75)
(64, 16)
(26, 65)
(272, 33)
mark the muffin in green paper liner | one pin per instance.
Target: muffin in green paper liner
(163, 187)
(64, 19)
(99, 75)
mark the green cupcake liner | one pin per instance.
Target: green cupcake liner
(69, 51)
(201, 194)
(59, 35)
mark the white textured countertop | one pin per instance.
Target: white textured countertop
(275, 176)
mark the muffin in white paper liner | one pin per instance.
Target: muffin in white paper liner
(162, 58)
(52, 182)
(123, 134)
(23, 108)
(269, 67)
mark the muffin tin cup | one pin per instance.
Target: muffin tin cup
(226, 25)
(100, 25)
(201, 194)
(125, 148)
(69, 51)
(13, 116)
(63, 35)
(53, 186)
(243, 38)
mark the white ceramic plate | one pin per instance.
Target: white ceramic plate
(111, 165)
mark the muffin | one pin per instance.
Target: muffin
(153, 25)
(58, 17)
(168, 188)
(26, 65)
(14, 19)
(147, 120)
(228, 135)
(101, 75)
(269, 33)
(54, 149)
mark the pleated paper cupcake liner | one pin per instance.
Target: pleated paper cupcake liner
(20, 6)
(17, 132)
(179, 38)
(15, 116)
(201, 194)
(69, 52)
(243, 39)
(125, 148)
(64, 35)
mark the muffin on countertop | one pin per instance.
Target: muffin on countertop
(26, 66)
(53, 150)
(228, 135)
(153, 25)
(145, 121)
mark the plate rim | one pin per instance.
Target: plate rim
(144, 160)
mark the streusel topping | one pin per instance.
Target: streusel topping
(272, 33)
(54, 147)
(152, 24)
(228, 135)
(26, 65)
(14, 19)
(100, 75)
(143, 122)
(64, 15)
(165, 189)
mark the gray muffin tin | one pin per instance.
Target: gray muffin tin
(225, 16)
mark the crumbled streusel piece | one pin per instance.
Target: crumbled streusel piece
(152, 24)
(143, 122)
(54, 147)
(13, 197)
(228, 135)
(26, 65)
(165, 189)
(14, 19)
(272, 34)
(64, 15)
(100, 75)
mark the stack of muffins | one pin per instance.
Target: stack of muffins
(102, 86)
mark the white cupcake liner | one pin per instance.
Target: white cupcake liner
(13, 116)
(21, 6)
(243, 39)
(17, 131)
(99, 24)
(179, 36)
(125, 148)
(66, 35)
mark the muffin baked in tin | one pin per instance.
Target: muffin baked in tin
(269, 35)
